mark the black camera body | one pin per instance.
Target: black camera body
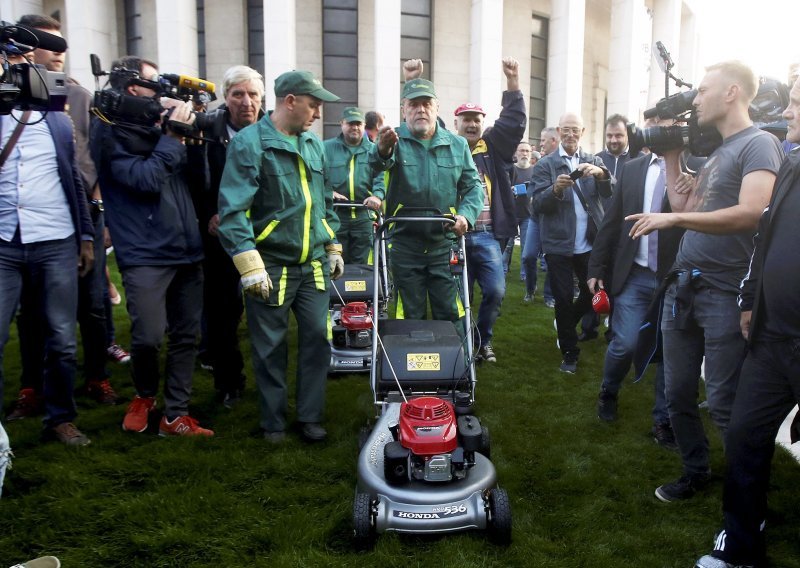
(118, 106)
(27, 86)
(702, 141)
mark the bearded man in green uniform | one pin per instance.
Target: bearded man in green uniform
(277, 222)
(350, 177)
(428, 167)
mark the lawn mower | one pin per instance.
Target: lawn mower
(353, 308)
(425, 467)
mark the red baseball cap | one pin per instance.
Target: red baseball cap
(470, 107)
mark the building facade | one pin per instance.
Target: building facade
(589, 56)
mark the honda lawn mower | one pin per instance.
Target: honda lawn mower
(425, 466)
(353, 308)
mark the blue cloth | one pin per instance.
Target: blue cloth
(31, 196)
(630, 309)
(51, 268)
(485, 264)
(530, 252)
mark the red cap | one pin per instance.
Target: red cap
(470, 107)
(601, 303)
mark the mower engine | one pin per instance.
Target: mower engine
(431, 443)
(356, 319)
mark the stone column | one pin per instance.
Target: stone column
(565, 63)
(486, 79)
(280, 46)
(387, 73)
(176, 29)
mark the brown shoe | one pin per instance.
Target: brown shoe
(68, 434)
(27, 404)
(102, 392)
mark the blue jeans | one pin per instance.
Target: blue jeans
(713, 331)
(50, 269)
(485, 264)
(508, 251)
(530, 252)
(630, 310)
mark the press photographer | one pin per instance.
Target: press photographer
(142, 173)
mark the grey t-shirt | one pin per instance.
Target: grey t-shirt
(723, 259)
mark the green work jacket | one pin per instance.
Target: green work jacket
(348, 172)
(272, 197)
(442, 176)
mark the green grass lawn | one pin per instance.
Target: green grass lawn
(581, 491)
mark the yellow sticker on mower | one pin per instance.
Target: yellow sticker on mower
(422, 362)
(355, 286)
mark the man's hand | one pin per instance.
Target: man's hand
(562, 182)
(106, 238)
(182, 114)
(339, 197)
(684, 184)
(86, 258)
(373, 202)
(744, 324)
(595, 284)
(255, 280)
(412, 69)
(335, 261)
(387, 138)
(460, 227)
(646, 223)
(213, 226)
(511, 71)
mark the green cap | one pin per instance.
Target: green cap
(302, 83)
(417, 88)
(352, 114)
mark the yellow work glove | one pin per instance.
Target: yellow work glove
(335, 261)
(255, 280)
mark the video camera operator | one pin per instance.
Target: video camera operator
(701, 315)
(153, 224)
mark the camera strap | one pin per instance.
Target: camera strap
(14, 137)
(577, 188)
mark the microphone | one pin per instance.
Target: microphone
(31, 38)
(185, 81)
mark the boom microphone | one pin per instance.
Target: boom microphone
(31, 38)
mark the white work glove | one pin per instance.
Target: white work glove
(255, 280)
(335, 261)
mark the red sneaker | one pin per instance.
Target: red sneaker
(27, 404)
(118, 354)
(182, 426)
(102, 392)
(136, 416)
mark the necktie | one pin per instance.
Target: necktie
(655, 207)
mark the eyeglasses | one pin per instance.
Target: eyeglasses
(573, 131)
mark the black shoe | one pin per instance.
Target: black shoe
(587, 335)
(314, 432)
(664, 436)
(607, 406)
(684, 488)
(232, 398)
(569, 364)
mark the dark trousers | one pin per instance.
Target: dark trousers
(91, 317)
(50, 271)
(569, 312)
(164, 299)
(222, 300)
(769, 387)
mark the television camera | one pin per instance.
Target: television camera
(118, 107)
(27, 86)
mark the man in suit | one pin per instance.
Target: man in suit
(569, 212)
(631, 270)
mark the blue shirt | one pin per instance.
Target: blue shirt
(31, 195)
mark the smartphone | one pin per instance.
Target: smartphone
(575, 175)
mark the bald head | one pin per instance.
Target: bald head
(570, 130)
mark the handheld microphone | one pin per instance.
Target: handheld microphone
(30, 38)
(188, 82)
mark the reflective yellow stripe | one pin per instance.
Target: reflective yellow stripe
(453, 210)
(267, 230)
(399, 314)
(247, 213)
(307, 214)
(353, 184)
(282, 287)
(386, 177)
(328, 228)
(461, 311)
(488, 188)
(329, 326)
(319, 279)
(396, 209)
(370, 259)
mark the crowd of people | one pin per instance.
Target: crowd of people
(258, 214)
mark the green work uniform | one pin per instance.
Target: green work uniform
(347, 172)
(272, 198)
(439, 173)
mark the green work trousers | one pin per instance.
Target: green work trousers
(355, 236)
(419, 274)
(303, 289)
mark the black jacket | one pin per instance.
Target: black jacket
(613, 250)
(750, 297)
(557, 216)
(502, 141)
